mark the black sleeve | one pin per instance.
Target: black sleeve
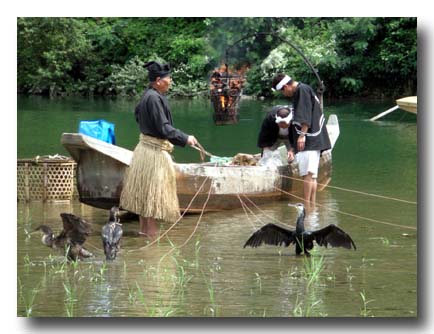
(303, 108)
(162, 124)
(268, 133)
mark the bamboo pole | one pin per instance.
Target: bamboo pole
(388, 111)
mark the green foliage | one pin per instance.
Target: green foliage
(128, 79)
(50, 54)
(105, 56)
(351, 84)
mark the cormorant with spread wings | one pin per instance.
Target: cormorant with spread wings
(272, 234)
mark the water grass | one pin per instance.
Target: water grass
(385, 241)
(140, 297)
(29, 299)
(180, 278)
(258, 282)
(125, 268)
(197, 248)
(364, 311)
(98, 276)
(313, 267)
(212, 307)
(350, 276)
(307, 309)
(27, 262)
(150, 309)
(70, 298)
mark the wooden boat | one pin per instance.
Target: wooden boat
(101, 167)
(408, 104)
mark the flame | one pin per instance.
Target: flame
(226, 84)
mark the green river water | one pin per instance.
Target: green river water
(213, 275)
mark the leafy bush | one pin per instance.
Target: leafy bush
(129, 79)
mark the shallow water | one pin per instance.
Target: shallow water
(212, 275)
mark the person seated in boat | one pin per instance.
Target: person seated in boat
(149, 185)
(276, 130)
(311, 136)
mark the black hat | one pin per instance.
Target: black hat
(157, 70)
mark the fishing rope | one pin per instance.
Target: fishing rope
(192, 233)
(202, 151)
(253, 214)
(173, 225)
(350, 214)
(353, 191)
(243, 205)
(267, 215)
(200, 218)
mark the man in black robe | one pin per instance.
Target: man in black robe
(149, 186)
(153, 114)
(311, 133)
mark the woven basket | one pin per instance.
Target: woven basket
(47, 178)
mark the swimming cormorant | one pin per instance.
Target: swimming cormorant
(111, 234)
(71, 239)
(272, 234)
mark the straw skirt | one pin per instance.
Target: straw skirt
(149, 185)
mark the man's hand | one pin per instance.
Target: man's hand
(300, 142)
(191, 140)
(290, 156)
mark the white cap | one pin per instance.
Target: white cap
(286, 119)
(282, 83)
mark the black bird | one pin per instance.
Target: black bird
(111, 234)
(71, 239)
(271, 234)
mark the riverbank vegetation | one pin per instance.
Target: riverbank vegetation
(354, 57)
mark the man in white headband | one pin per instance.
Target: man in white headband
(276, 130)
(311, 137)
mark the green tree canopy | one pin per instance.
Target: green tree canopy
(105, 56)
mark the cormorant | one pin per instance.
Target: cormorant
(111, 234)
(271, 234)
(71, 238)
